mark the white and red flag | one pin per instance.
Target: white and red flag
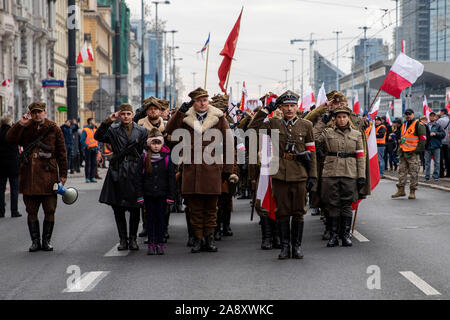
(426, 109)
(322, 95)
(356, 103)
(307, 100)
(244, 98)
(86, 54)
(373, 162)
(273, 97)
(388, 118)
(374, 111)
(404, 72)
(6, 83)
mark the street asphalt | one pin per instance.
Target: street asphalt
(403, 252)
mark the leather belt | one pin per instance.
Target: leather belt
(289, 156)
(342, 154)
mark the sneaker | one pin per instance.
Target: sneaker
(93, 180)
(151, 251)
(426, 179)
(160, 249)
(436, 179)
(87, 180)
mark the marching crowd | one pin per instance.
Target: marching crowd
(323, 160)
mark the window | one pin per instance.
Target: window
(87, 37)
(87, 70)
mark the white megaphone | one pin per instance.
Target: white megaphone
(69, 195)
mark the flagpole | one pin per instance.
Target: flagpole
(374, 99)
(228, 76)
(206, 70)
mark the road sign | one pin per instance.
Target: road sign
(52, 84)
(62, 108)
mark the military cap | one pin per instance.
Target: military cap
(330, 95)
(338, 97)
(154, 134)
(152, 101)
(220, 101)
(198, 93)
(342, 109)
(126, 107)
(164, 104)
(378, 118)
(37, 105)
(288, 97)
(410, 111)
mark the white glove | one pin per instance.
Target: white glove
(233, 178)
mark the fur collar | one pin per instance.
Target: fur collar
(212, 118)
(145, 122)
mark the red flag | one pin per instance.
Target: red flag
(228, 53)
(356, 103)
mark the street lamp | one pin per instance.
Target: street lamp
(171, 66)
(157, 45)
(174, 80)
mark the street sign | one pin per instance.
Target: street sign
(52, 84)
(62, 108)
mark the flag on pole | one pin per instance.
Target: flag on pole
(426, 109)
(6, 83)
(86, 54)
(231, 108)
(322, 95)
(404, 72)
(403, 45)
(356, 103)
(448, 104)
(391, 105)
(374, 111)
(373, 162)
(388, 118)
(264, 190)
(307, 100)
(268, 100)
(244, 98)
(205, 46)
(228, 53)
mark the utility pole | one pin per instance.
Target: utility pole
(303, 51)
(337, 59)
(293, 61)
(165, 64)
(158, 47)
(286, 81)
(72, 83)
(193, 77)
(117, 52)
(366, 76)
(143, 31)
(174, 80)
(396, 29)
(172, 57)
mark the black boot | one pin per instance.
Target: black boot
(122, 230)
(134, 225)
(327, 233)
(210, 246)
(144, 224)
(47, 230)
(275, 229)
(285, 240)
(346, 238)
(166, 231)
(33, 227)
(217, 230)
(226, 218)
(266, 243)
(217, 233)
(296, 239)
(190, 241)
(334, 241)
(196, 245)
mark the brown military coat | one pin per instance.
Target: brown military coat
(40, 174)
(301, 133)
(201, 178)
(335, 140)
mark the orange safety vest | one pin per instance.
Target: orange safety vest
(107, 149)
(381, 140)
(409, 141)
(90, 141)
(369, 128)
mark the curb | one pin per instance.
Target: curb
(423, 184)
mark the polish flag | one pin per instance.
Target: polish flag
(264, 190)
(374, 111)
(448, 104)
(322, 95)
(86, 53)
(373, 162)
(356, 103)
(403, 45)
(269, 99)
(426, 109)
(388, 118)
(307, 100)
(404, 72)
(6, 83)
(244, 98)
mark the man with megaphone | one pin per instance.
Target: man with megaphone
(43, 163)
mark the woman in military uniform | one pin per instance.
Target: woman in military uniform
(344, 171)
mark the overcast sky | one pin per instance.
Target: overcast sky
(267, 26)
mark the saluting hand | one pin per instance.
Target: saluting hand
(114, 116)
(25, 119)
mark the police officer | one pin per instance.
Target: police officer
(412, 143)
(343, 173)
(44, 163)
(297, 169)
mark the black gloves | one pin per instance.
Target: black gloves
(271, 107)
(327, 117)
(310, 183)
(303, 156)
(360, 182)
(185, 106)
(225, 176)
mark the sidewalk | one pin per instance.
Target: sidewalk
(442, 184)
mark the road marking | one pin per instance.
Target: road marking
(360, 237)
(87, 281)
(419, 283)
(116, 253)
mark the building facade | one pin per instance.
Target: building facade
(325, 72)
(375, 51)
(440, 30)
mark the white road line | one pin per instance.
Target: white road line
(360, 237)
(116, 253)
(419, 283)
(87, 281)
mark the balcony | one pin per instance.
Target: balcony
(7, 24)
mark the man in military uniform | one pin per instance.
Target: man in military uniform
(412, 143)
(44, 163)
(202, 182)
(297, 172)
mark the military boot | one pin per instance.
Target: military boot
(285, 240)
(210, 246)
(275, 229)
(33, 227)
(266, 243)
(296, 239)
(400, 192)
(412, 194)
(226, 218)
(196, 245)
(327, 233)
(47, 230)
(334, 241)
(217, 233)
(122, 230)
(346, 238)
